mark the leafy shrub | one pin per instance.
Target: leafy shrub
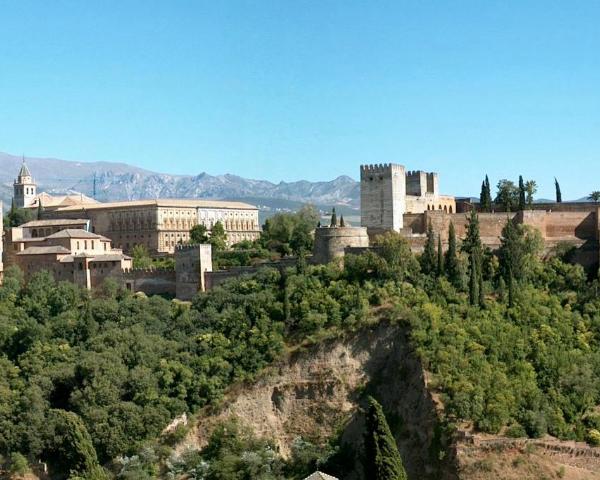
(593, 437)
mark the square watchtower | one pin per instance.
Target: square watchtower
(382, 196)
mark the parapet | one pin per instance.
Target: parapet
(384, 169)
(189, 246)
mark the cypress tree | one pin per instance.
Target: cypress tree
(473, 279)
(558, 193)
(482, 198)
(440, 257)
(451, 263)
(485, 197)
(428, 259)
(382, 459)
(488, 194)
(480, 285)
(342, 223)
(521, 193)
(472, 246)
(75, 453)
(511, 291)
(40, 209)
(333, 218)
(472, 239)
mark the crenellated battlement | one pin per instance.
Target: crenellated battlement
(189, 246)
(382, 169)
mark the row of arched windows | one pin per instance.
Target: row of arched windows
(445, 208)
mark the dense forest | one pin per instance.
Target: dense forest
(88, 381)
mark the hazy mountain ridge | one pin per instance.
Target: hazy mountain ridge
(119, 181)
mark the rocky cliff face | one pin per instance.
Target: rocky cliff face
(314, 393)
(318, 391)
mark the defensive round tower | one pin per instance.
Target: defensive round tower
(382, 196)
(330, 242)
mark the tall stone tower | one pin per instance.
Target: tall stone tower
(382, 196)
(24, 188)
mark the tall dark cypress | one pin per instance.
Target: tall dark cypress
(440, 257)
(480, 287)
(482, 198)
(473, 279)
(558, 193)
(382, 459)
(488, 194)
(521, 193)
(40, 210)
(451, 263)
(333, 219)
(428, 259)
(472, 239)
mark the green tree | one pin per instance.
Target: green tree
(382, 459)
(482, 198)
(399, 261)
(440, 257)
(474, 284)
(488, 194)
(558, 192)
(334, 222)
(451, 260)
(473, 247)
(485, 197)
(472, 239)
(595, 196)
(428, 258)
(40, 209)
(218, 237)
(198, 234)
(72, 448)
(18, 464)
(522, 194)
(141, 257)
(287, 233)
(531, 189)
(507, 195)
(17, 216)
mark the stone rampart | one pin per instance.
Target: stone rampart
(151, 281)
(330, 242)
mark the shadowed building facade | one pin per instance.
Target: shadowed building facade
(162, 224)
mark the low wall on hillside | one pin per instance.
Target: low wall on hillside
(213, 279)
(151, 281)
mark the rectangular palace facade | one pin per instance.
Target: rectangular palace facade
(162, 224)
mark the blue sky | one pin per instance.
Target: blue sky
(288, 90)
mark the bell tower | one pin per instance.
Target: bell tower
(24, 188)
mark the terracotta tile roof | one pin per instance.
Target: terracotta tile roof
(77, 233)
(44, 250)
(320, 476)
(54, 222)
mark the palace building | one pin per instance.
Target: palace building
(160, 225)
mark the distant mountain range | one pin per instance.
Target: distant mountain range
(119, 181)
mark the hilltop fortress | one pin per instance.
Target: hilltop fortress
(73, 236)
(392, 199)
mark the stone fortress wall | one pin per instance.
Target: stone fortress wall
(382, 196)
(330, 242)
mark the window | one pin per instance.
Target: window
(85, 244)
(77, 244)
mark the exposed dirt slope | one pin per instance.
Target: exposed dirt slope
(319, 391)
(315, 392)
